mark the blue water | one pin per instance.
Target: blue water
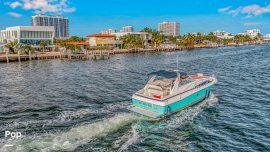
(81, 105)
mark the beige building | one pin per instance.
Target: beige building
(101, 40)
(169, 28)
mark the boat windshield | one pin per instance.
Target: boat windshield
(166, 74)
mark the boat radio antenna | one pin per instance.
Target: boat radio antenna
(177, 63)
(177, 67)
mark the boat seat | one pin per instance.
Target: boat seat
(157, 90)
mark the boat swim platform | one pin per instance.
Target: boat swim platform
(145, 112)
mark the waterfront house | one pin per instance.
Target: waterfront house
(33, 35)
(106, 40)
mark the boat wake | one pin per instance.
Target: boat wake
(131, 138)
(70, 140)
(83, 134)
(65, 116)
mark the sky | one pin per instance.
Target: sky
(92, 16)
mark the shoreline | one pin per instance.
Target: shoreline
(94, 54)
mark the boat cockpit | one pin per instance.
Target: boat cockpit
(161, 86)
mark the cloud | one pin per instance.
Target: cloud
(249, 11)
(235, 11)
(256, 10)
(252, 24)
(69, 10)
(15, 4)
(15, 14)
(221, 10)
(44, 6)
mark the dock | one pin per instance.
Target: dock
(81, 55)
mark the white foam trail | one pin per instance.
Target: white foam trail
(70, 115)
(73, 138)
(67, 116)
(132, 139)
(64, 116)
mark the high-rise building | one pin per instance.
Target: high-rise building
(169, 28)
(61, 24)
(108, 31)
(127, 29)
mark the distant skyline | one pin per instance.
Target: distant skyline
(87, 16)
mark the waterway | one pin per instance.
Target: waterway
(81, 106)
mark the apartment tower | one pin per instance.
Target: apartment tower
(169, 28)
(61, 24)
(127, 29)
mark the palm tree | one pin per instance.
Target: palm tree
(258, 37)
(147, 30)
(157, 39)
(72, 47)
(20, 48)
(43, 45)
(75, 39)
(189, 40)
(139, 42)
(172, 39)
(242, 38)
(29, 49)
(199, 38)
(132, 41)
(11, 46)
(211, 37)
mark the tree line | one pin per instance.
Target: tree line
(189, 40)
(131, 41)
(14, 47)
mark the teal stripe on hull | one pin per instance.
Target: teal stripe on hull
(163, 110)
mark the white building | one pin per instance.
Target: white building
(266, 36)
(169, 28)
(241, 34)
(198, 33)
(33, 35)
(60, 24)
(223, 34)
(108, 31)
(127, 29)
(253, 33)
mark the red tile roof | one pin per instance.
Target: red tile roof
(77, 43)
(101, 35)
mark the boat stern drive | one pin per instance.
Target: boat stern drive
(163, 96)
